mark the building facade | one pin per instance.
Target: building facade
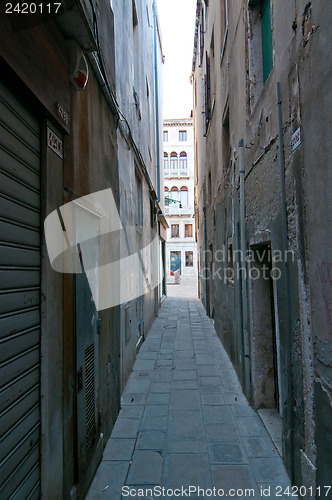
(179, 189)
(80, 114)
(261, 72)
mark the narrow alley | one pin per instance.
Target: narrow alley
(165, 249)
(184, 420)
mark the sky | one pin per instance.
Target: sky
(177, 21)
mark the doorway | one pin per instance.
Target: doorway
(264, 348)
(175, 262)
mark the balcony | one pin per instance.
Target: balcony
(176, 173)
(175, 209)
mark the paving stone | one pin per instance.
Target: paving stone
(134, 411)
(142, 375)
(250, 426)
(212, 398)
(137, 386)
(204, 359)
(185, 424)
(184, 384)
(130, 399)
(223, 433)
(146, 468)
(161, 410)
(151, 440)
(144, 364)
(164, 362)
(184, 354)
(226, 453)
(184, 374)
(163, 375)
(119, 449)
(218, 414)
(209, 381)
(186, 364)
(186, 446)
(207, 371)
(209, 389)
(235, 477)
(125, 428)
(187, 470)
(259, 447)
(269, 470)
(160, 387)
(158, 399)
(242, 410)
(148, 355)
(234, 398)
(154, 422)
(185, 398)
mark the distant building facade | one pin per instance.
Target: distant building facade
(179, 187)
(264, 205)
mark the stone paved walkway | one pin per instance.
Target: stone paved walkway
(184, 420)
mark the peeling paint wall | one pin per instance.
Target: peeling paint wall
(302, 64)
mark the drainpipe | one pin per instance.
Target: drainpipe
(156, 94)
(289, 350)
(246, 345)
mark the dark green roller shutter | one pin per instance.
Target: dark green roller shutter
(19, 299)
(267, 45)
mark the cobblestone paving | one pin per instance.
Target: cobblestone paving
(184, 420)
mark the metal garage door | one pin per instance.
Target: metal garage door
(19, 299)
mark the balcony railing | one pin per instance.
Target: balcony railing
(176, 173)
(177, 210)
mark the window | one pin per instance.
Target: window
(188, 230)
(175, 231)
(166, 163)
(267, 49)
(261, 47)
(165, 135)
(184, 196)
(175, 195)
(189, 259)
(182, 135)
(183, 163)
(174, 163)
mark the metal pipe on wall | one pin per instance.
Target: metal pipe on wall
(244, 287)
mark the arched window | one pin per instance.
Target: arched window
(166, 195)
(183, 163)
(175, 193)
(174, 162)
(184, 196)
(166, 162)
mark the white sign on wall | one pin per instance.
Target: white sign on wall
(54, 143)
(296, 139)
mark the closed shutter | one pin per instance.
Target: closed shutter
(19, 299)
(267, 43)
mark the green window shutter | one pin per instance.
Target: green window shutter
(267, 50)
